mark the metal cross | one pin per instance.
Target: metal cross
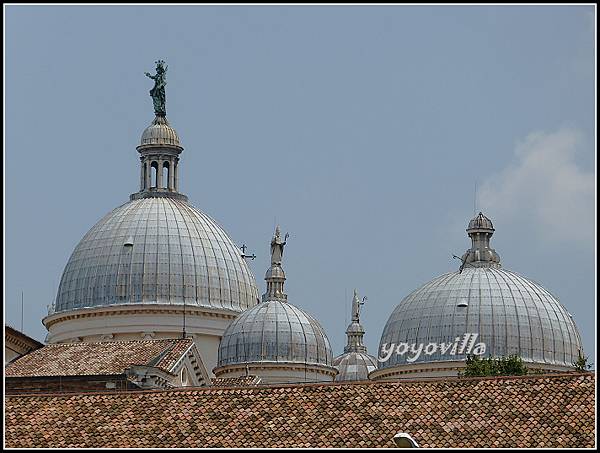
(243, 247)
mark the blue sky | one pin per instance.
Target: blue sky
(361, 130)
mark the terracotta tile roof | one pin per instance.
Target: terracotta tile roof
(172, 354)
(111, 357)
(241, 381)
(531, 411)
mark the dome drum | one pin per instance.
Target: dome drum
(279, 372)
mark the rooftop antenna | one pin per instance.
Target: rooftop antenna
(346, 305)
(475, 200)
(183, 335)
(21, 310)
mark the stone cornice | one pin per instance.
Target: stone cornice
(445, 366)
(19, 339)
(117, 310)
(158, 193)
(295, 366)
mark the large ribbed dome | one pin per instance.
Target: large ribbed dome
(156, 250)
(511, 314)
(275, 331)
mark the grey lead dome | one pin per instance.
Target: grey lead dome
(275, 331)
(156, 250)
(354, 366)
(511, 314)
(160, 133)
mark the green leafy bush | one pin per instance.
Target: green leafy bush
(494, 366)
(581, 364)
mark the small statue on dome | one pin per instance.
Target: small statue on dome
(356, 303)
(158, 91)
(277, 247)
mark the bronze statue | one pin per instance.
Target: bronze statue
(277, 247)
(158, 91)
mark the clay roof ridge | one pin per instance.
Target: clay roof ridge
(87, 343)
(156, 361)
(259, 386)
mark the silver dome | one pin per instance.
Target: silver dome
(354, 366)
(511, 314)
(274, 331)
(156, 250)
(160, 133)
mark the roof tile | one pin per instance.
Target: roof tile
(476, 413)
(110, 357)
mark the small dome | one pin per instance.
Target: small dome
(355, 328)
(160, 132)
(480, 222)
(274, 272)
(354, 366)
(275, 331)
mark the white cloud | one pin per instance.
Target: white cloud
(545, 189)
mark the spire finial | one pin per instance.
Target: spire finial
(355, 331)
(480, 230)
(159, 147)
(275, 277)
